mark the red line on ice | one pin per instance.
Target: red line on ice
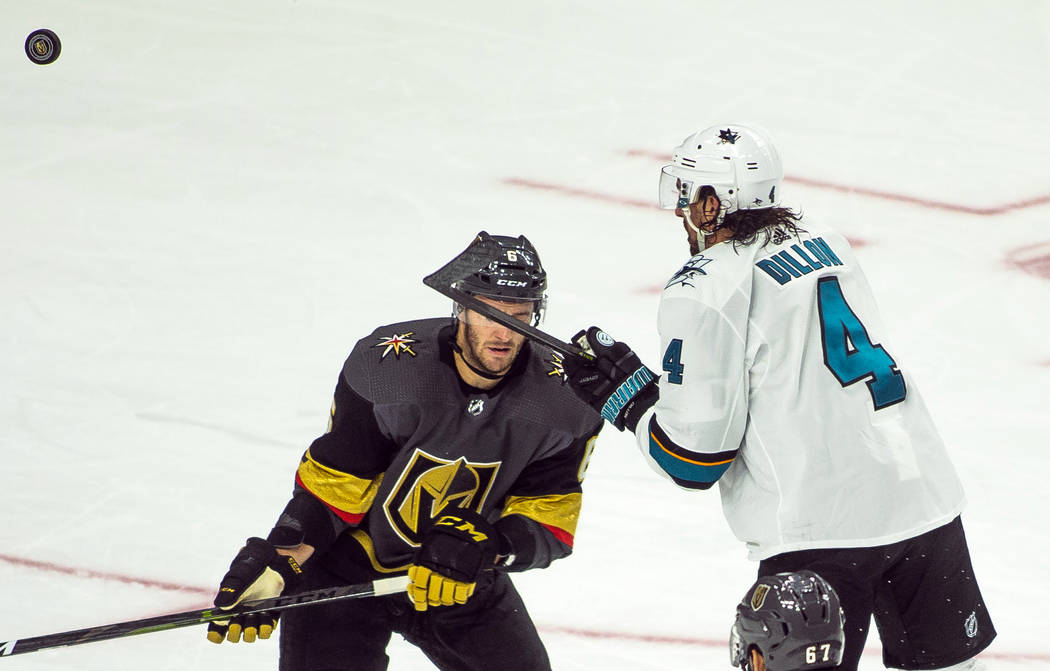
(579, 193)
(553, 629)
(887, 195)
(607, 198)
(1033, 259)
(103, 575)
(641, 638)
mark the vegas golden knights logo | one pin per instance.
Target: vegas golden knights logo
(758, 597)
(429, 485)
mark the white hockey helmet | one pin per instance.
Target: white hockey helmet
(738, 161)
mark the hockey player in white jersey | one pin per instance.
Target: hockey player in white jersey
(779, 382)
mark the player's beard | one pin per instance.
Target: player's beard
(475, 353)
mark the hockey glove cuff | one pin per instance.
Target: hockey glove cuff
(616, 383)
(456, 548)
(257, 572)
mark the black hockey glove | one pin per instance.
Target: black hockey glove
(456, 548)
(257, 572)
(616, 383)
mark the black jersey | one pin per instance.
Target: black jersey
(408, 437)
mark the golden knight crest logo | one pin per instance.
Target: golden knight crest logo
(428, 485)
(758, 597)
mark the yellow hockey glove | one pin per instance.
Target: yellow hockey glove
(456, 548)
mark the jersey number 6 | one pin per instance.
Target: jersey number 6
(848, 351)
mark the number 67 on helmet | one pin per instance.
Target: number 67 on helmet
(788, 622)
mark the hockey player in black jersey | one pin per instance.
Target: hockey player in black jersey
(453, 455)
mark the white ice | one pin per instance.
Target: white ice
(204, 204)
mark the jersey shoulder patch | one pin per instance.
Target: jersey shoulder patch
(690, 273)
(396, 344)
(404, 340)
(401, 358)
(544, 396)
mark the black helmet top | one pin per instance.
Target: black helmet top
(793, 619)
(514, 274)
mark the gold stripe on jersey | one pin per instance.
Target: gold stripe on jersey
(347, 495)
(656, 440)
(687, 468)
(370, 551)
(557, 510)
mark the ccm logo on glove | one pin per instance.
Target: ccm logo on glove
(455, 549)
(461, 524)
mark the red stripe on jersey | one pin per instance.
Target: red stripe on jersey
(561, 534)
(349, 518)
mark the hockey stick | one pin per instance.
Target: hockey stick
(476, 256)
(147, 625)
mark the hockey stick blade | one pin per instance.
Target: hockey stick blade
(477, 255)
(148, 625)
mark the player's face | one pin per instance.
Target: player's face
(702, 213)
(488, 345)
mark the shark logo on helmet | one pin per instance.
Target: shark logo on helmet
(728, 136)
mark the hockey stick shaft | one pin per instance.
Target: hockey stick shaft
(500, 317)
(148, 625)
(473, 258)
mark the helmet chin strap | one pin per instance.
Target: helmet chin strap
(688, 216)
(701, 235)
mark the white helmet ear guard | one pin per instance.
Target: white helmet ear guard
(739, 162)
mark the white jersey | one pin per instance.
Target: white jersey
(779, 382)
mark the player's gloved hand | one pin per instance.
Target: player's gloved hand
(616, 383)
(456, 548)
(257, 572)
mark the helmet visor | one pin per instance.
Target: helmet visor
(679, 184)
(528, 312)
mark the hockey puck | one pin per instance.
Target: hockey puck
(43, 46)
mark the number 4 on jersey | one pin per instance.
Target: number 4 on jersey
(848, 351)
(672, 362)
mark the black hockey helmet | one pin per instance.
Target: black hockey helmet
(793, 619)
(514, 274)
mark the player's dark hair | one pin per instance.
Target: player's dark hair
(748, 225)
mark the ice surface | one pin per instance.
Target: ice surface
(205, 204)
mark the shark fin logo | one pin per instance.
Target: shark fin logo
(689, 272)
